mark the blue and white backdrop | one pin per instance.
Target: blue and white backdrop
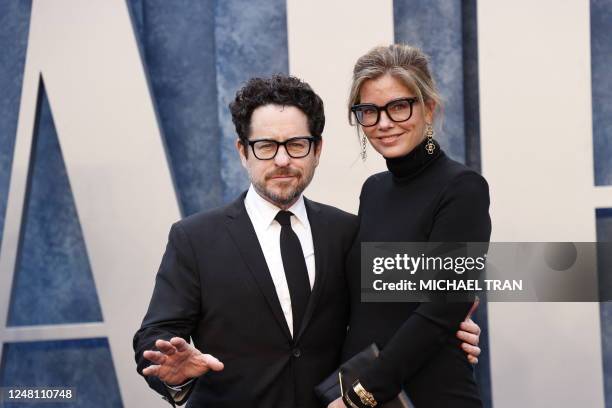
(114, 124)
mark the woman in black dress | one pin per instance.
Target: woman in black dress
(424, 197)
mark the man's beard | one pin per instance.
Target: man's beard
(288, 196)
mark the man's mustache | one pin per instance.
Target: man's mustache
(283, 172)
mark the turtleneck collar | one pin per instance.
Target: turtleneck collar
(408, 166)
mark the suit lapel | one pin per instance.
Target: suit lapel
(318, 227)
(242, 232)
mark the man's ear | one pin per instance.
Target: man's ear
(241, 152)
(318, 148)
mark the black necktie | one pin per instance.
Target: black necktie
(295, 269)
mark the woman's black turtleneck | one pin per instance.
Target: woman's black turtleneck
(423, 197)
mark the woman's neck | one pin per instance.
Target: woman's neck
(415, 161)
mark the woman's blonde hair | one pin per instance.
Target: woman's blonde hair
(406, 63)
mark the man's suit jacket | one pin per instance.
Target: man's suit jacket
(213, 285)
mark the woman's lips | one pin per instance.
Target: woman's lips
(388, 140)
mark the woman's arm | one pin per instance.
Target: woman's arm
(462, 216)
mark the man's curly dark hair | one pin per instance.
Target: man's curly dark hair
(281, 90)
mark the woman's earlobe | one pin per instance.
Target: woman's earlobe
(431, 108)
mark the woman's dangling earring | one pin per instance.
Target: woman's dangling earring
(429, 134)
(364, 153)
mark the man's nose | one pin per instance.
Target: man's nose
(282, 158)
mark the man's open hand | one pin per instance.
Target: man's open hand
(178, 361)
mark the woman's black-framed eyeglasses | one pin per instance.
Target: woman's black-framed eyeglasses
(296, 147)
(398, 110)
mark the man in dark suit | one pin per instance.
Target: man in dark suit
(258, 284)
(221, 281)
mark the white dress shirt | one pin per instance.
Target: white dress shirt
(262, 213)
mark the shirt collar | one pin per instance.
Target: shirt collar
(264, 211)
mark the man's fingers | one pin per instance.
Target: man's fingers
(468, 325)
(468, 338)
(179, 343)
(154, 356)
(471, 350)
(151, 370)
(165, 347)
(212, 362)
(472, 359)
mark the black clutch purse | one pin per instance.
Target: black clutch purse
(343, 378)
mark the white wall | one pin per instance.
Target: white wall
(116, 164)
(535, 101)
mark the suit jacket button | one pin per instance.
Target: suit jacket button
(297, 352)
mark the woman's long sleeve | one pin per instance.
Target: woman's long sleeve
(461, 216)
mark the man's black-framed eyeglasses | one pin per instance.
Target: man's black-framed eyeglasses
(398, 110)
(296, 147)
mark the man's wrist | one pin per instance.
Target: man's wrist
(180, 392)
(179, 387)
